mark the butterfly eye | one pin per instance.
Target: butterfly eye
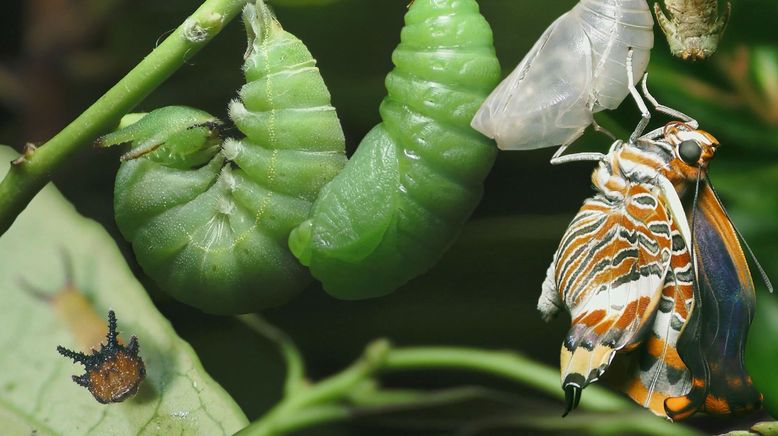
(690, 151)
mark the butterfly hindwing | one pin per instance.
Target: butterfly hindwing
(720, 385)
(609, 269)
(728, 308)
(657, 370)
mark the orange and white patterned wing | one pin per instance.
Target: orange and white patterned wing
(657, 371)
(609, 273)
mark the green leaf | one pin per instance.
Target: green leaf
(766, 428)
(36, 390)
(760, 429)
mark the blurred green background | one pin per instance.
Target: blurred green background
(58, 56)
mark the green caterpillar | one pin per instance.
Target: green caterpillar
(416, 177)
(209, 219)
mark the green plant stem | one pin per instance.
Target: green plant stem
(510, 365)
(284, 423)
(637, 422)
(330, 400)
(295, 368)
(25, 179)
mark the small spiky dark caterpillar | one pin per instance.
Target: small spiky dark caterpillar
(113, 373)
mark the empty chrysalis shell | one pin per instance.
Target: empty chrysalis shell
(417, 176)
(209, 220)
(574, 70)
(693, 28)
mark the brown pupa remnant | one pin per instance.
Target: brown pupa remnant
(113, 373)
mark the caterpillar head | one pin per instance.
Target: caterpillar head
(175, 136)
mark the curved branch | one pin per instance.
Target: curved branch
(295, 367)
(334, 400)
(506, 364)
(30, 173)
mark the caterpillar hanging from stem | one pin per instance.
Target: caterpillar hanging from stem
(416, 177)
(208, 217)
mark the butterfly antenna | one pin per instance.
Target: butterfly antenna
(758, 265)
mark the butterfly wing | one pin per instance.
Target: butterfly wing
(543, 102)
(721, 385)
(657, 371)
(610, 269)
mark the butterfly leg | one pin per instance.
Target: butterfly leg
(557, 158)
(575, 157)
(598, 128)
(667, 110)
(641, 127)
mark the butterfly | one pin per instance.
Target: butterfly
(651, 268)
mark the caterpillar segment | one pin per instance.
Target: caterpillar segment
(416, 177)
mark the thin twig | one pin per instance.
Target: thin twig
(295, 366)
(337, 398)
(23, 181)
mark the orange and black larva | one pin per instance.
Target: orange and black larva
(113, 373)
